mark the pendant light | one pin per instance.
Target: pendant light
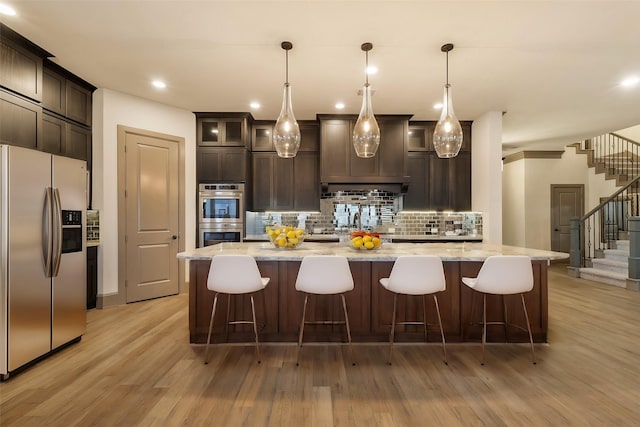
(286, 133)
(366, 133)
(447, 136)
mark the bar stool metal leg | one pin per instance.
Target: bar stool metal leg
(346, 320)
(526, 316)
(424, 318)
(505, 319)
(255, 328)
(484, 325)
(226, 325)
(393, 326)
(304, 312)
(444, 347)
(213, 313)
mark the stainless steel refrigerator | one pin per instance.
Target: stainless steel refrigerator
(42, 254)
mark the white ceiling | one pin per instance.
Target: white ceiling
(554, 67)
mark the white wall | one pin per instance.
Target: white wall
(528, 181)
(111, 109)
(513, 204)
(486, 175)
(632, 133)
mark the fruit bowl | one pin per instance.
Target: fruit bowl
(285, 236)
(363, 240)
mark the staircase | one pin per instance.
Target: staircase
(603, 251)
(613, 269)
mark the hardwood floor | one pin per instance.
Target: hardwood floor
(135, 367)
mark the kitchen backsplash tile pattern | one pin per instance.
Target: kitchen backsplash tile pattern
(373, 210)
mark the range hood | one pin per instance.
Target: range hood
(354, 183)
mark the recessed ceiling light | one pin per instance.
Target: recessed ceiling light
(255, 105)
(372, 69)
(339, 105)
(159, 84)
(437, 106)
(630, 81)
(7, 10)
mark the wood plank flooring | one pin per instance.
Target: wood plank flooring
(135, 367)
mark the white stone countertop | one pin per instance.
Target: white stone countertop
(424, 237)
(453, 251)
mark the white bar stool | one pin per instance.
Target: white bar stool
(503, 275)
(324, 275)
(234, 275)
(417, 275)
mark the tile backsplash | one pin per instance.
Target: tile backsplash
(372, 210)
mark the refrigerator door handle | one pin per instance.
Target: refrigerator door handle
(57, 235)
(47, 242)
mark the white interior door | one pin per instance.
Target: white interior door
(152, 216)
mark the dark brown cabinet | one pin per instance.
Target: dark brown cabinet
(306, 187)
(340, 164)
(435, 183)
(20, 64)
(262, 136)
(64, 96)
(417, 195)
(20, 121)
(66, 139)
(223, 129)
(286, 184)
(214, 164)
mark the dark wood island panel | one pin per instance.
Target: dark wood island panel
(279, 307)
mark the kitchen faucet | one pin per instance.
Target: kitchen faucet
(356, 219)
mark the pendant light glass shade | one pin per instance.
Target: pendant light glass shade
(286, 133)
(447, 136)
(366, 133)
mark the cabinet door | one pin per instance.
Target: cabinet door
(306, 185)
(335, 149)
(460, 179)
(54, 135)
(262, 137)
(309, 136)
(234, 165)
(54, 88)
(282, 183)
(20, 70)
(421, 136)
(439, 183)
(262, 176)
(78, 101)
(20, 121)
(78, 142)
(392, 153)
(417, 196)
(208, 165)
(221, 132)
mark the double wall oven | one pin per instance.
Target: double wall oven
(221, 213)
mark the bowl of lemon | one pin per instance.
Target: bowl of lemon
(285, 236)
(362, 240)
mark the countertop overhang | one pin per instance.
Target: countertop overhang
(466, 251)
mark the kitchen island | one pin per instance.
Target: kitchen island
(279, 306)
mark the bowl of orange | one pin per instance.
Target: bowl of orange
(285, 236)
(363, 240)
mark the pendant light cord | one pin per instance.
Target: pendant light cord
(286, 67)
(366, 69)
(447, 68)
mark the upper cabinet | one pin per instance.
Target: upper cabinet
(262, 135)
(339, 163)
(66, 95)
(223, 129)
(21, 64)
(285, 184)
(435, 183)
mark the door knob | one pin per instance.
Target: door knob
(174, 237)
(555, 229)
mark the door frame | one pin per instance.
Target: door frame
(122, 211)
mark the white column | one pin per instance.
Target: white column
(486, 174)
